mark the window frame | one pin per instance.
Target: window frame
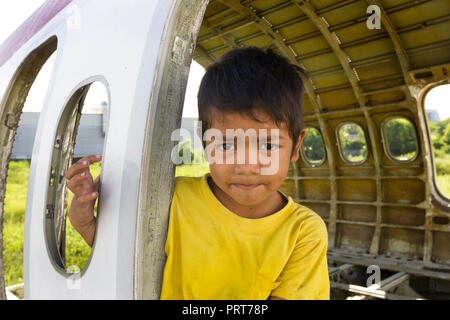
(338, 140)
(304, 158)
(385, 141)
(421, 104)
(68, 115)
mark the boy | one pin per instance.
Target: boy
(232, 234)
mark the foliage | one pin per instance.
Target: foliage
(353, 142)
(401, 138)
(186, 154)
(312, 146)
(440, 134)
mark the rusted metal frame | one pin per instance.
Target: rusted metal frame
(428, 171)
(406, 166)
(228, 11)
(420, 205)
(384, 225)
(263, 25)
(334, 270)
(352, 75)
(276, 8)
(344, 45)
(428, 48)
(376, 289)
(362, 83)
(398, 45)
(384, 90)
(331, 156)
(61, 159)
(205, 54)
(342, 113)
(409, 80)
(408, 28)
(278, 40)
(363, 63)
(411, 266)
(442, 228)
(419, 177)
(380, 294)
(342, 25)
(427, 156)
(11, 106)
(228, 39)
(231, 28)
(391, 282)
(370, 61)
(325, 71)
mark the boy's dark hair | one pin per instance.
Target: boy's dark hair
(252, 78)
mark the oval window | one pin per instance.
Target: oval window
(80, 133)
(352, 143)
(313, 150)
(400, 139)
(438, 115)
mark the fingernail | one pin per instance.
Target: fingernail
(83, 174)
(85, 162)
(94, 194)
(98, 157)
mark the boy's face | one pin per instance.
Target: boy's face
(246, 182)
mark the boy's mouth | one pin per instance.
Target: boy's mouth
(245, 186)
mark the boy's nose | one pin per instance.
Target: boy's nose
(247, 169)
(248, 163)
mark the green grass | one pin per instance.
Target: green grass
(193, 170)
(443, 182)
(13, 221)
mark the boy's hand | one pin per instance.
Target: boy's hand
(85, 190)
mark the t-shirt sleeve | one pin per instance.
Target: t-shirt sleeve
(305, 275)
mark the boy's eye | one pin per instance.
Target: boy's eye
(269, 146)
(227, 146)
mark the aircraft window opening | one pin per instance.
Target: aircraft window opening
(400, 139)
(67, 249)
(313, 149)
(352, 143)
(20, 105)
(435, 102)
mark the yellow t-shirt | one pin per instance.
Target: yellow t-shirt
(214, 254)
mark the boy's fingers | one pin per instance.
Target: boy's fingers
(91, 158)
(96, 183)
(87, 197)
(81, 165)
(77, 168)
(77, 180)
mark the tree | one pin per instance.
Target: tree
(183, 148)
(446, 135)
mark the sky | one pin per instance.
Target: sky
(14, 12)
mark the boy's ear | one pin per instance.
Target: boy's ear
(298, 144)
